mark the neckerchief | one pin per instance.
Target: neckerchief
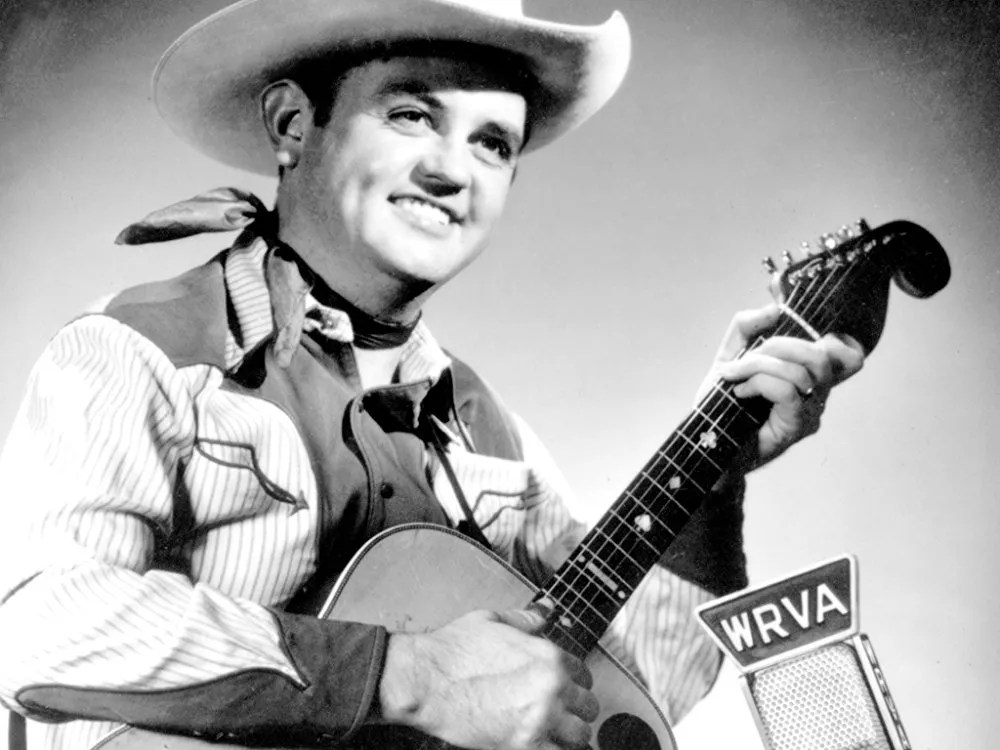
(293, 287)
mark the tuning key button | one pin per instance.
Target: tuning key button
(806, 249)
(769, 265)
(861, 226)
(827, 241)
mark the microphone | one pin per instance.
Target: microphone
(809, 675)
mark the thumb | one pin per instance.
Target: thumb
(529, 620)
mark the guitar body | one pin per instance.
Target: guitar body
(418, 577)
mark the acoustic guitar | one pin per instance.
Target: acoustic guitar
(397, 579)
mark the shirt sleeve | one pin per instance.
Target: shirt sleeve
(96, 620)
(656, 634)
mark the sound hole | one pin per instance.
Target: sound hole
(626, 732)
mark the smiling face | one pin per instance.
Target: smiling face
(402, 187)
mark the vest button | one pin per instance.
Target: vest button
(387, 490)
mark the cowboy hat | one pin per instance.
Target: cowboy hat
(208, 83)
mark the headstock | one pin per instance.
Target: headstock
(842, 285)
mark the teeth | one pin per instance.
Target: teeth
(424, 213)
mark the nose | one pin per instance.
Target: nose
(445, 168)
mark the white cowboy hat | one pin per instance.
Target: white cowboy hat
(207, 85)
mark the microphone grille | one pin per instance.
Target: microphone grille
(819, 701)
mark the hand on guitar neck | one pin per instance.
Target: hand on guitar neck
(793, 374)
(484, 681)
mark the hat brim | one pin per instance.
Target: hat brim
(207, 85)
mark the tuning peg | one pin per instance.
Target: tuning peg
(769, 265)
(806, 249)
(861, 226)
(827, 241)
(786, 258)
(844, 233)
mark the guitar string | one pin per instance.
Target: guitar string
(816, 299)
(605, 538)
(579, 592)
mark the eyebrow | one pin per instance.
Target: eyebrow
(420, 90)
(413, 87)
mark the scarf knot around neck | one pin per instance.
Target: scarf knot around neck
(289, 280)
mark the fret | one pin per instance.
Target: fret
(802, 323)
(722, 389)
(569, 616)
(598, 534)
(663, 457)
(698, 448)
(684, 476)
(591, 618)
(587, 569)
(590, 563)
(638, 494)
(645, 475)
(655, 518)
(717, 424)
(563, 638)
(667, 512)
(597, 545)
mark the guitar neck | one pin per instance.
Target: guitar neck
(842, 288)
(589, 589)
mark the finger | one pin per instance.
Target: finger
(581, 702)
(754, 365)
(745, 326)
(577, 671)
(775, 389)
(526, 620)
(570, 731)
(845, 353)
(813, 356)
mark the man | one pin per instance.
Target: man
(208, 453)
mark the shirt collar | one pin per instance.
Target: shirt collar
(252, 318)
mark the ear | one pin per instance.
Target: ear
(286, 111)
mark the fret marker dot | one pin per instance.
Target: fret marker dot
(644, 523)
(674, 483)
(622, 595)
(565, 622)
(708, 439)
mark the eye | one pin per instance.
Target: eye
(409, 118)
(495, 149)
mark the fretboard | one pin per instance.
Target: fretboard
(600, 575)
(590, 588)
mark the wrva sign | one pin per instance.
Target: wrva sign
(757, 626)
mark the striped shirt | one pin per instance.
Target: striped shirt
(103, 587)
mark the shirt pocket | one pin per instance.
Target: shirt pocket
(238, 476)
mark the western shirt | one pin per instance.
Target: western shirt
(158, 517)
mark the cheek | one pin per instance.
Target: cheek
(371, 178)
(357, 189)
(492, 198)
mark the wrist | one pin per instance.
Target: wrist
(399, 688)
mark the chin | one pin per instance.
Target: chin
(428, 267)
